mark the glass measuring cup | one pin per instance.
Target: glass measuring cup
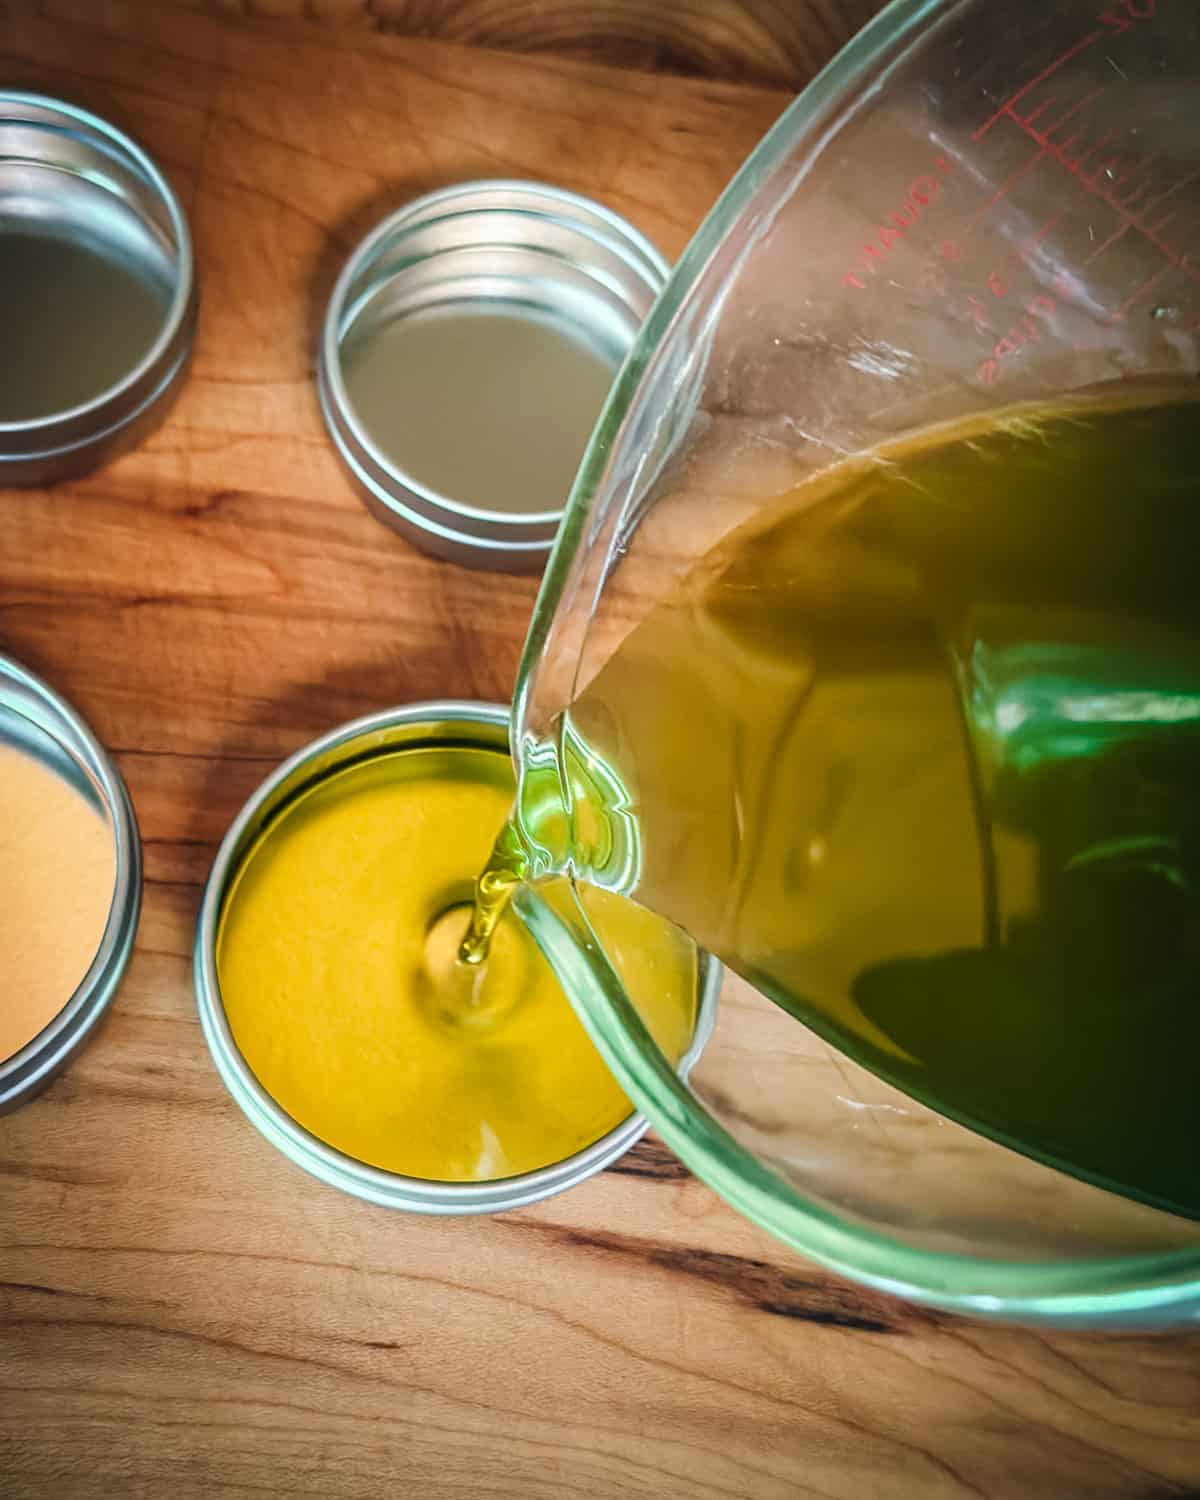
(973, 207)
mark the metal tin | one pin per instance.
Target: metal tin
(36, 720)
(521, 247)
(447, 723)
(72, 179)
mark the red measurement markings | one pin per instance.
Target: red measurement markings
(1152, 207)
(1028, 328)
(1022, 331)
(1044, 149)
(922, 191)
(1120, 186)
(1117, 18)
(1002, 191)
(1009, 107)
(1139, 291)
(1028, 246)
(980, 304)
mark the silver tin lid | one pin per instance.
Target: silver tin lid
(38, 722)
(97, 290)
(544, 257)
(417, 725)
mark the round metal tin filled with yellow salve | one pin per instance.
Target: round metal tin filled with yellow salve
(341, 886)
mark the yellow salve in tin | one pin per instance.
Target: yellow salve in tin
(336, 965)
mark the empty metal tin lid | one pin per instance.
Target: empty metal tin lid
(97, 290)
(469, 347)
(70, 882)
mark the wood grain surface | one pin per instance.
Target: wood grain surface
(775, 43)
(182, 1312)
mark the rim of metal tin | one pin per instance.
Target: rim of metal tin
(410, 726)
(415, 506)
(25, 696)
(159, 367)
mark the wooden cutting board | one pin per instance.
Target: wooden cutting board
(183, 1313)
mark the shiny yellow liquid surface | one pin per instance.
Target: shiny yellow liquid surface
(918, 753)
(337, 969)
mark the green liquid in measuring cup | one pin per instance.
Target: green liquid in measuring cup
(918, 753)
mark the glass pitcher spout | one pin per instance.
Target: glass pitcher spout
(571, 819)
